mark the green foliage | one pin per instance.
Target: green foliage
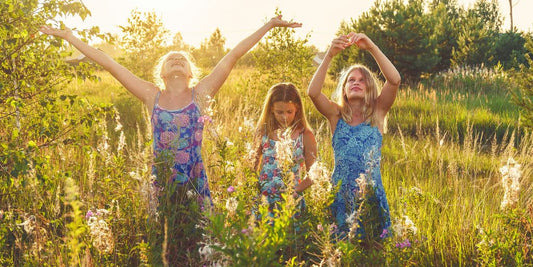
(446, 15)
(523, 95)
(403, 31)
(478, 29)
(144, 41)
(510, 50)
(283, 58)
(211, 50)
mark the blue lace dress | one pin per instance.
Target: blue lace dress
(357, 151)
(270, 177)
(177, 146)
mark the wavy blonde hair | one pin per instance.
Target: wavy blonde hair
(371, 94)
(159, 67)
(284, 92)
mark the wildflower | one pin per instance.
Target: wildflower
(284, 149)
(403, 227)
(100, 232)
(206, 252)
(319, 227)
(89, 214)
(404, 244)
(231, 189)
(351, 218)
(362, 182)
(231, 205)
(121, 141)
(117, 120)
(511, 174)
(384, 233)
(248, 123)
(204, 119)
(28, 224)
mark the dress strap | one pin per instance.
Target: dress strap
(156, 102)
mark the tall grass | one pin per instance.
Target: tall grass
(447, 139)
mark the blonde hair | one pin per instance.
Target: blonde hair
(371, 94)
(159, 81)
(284, 92)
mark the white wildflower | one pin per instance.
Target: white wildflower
(284, 149)
(231, 205)
(121, 141)
(117, 120)
(511, 174)
(29, 224)
(101, 234)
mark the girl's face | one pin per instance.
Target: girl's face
(284, 112)
(176, 65)
(355, 86)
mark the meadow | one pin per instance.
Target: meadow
(456, 166)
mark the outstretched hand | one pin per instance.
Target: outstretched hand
(361, 40)
(62, 33)
(278, 22)
(338, 44)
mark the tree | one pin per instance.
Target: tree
(144, 41)
(446, 30)
(178, 44)
(509, 50)
(34, 118)
(523, 95)
(211, 50)
(403, 32)
(479, 28)
(284, 58)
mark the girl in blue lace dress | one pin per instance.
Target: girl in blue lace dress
(283, 117)
(176, 107)
(357, 123)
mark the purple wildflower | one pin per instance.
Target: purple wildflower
(231, 189)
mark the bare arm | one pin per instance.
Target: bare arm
(324, 105)
(140, 88)
(310, 154)
(212, 82)
(392, 76)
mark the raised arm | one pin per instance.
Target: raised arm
(140, 88)
(212, 82)
(392, 76)
(324, 105)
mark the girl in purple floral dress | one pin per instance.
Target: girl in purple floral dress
(283, 113)
(177, 123)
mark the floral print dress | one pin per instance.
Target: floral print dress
(177, 146)
(270, 177)
(357, 150)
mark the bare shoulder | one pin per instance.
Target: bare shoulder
(308, 135)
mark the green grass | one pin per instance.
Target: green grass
(447, 139)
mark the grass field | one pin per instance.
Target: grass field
(456, 166)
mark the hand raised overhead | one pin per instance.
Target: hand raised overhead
(278, 22)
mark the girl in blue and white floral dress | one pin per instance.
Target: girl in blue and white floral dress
(283, 114)
(357, 124)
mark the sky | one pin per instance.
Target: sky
(196, 20)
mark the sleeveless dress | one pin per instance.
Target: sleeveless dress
(177, 144)
(357, 150)
(270, 177)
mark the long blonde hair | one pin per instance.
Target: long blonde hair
(159, 67)
(284, 92)
(371, 94)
